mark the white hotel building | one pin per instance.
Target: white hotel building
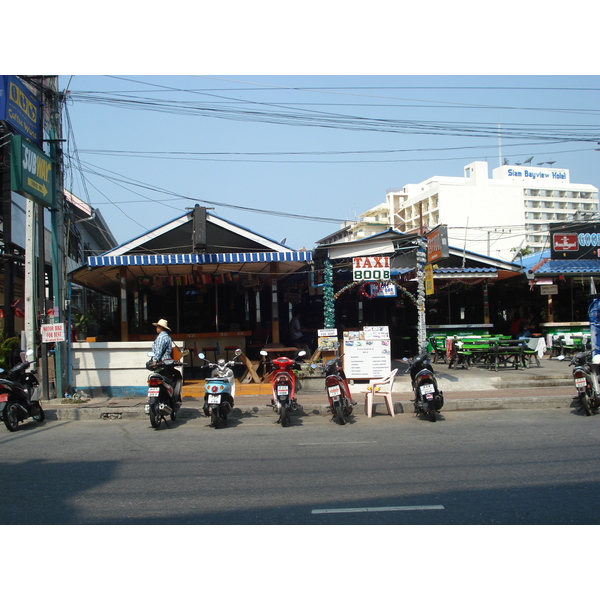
(494, 216)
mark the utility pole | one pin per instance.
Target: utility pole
(54, 100)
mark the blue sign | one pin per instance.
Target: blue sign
(20, 109)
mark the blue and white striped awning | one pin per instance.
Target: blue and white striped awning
(142, 260)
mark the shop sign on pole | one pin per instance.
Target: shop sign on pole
(437, 244)
(429, 288)
(32, 172)
(20, 108)
(53, 332)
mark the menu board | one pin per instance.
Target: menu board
(367, 353)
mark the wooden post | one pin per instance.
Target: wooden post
(124, 324)
(274, 305)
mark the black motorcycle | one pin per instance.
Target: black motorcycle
(18, 395)
(585, 377)
(164, 390)
(428, 399)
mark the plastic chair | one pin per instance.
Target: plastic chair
(377, 388)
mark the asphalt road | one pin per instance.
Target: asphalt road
(485, 467)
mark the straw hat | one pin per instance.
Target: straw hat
(162, 323)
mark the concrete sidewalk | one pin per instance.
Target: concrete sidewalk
(548, 386)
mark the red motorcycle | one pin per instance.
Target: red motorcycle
(338, 391)
(284, 385)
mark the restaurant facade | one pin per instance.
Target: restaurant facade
(217, 284)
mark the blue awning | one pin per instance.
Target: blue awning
(140, 260)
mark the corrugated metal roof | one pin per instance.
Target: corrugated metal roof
(567, 267)
(467, 271)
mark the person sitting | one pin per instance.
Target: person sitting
(162, 345)
(297, 333)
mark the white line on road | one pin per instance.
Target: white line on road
(335, 443)
(322, 511)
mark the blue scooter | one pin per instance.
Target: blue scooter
(219, 390)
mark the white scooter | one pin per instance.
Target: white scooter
(219, 390)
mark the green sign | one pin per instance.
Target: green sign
(31, 172)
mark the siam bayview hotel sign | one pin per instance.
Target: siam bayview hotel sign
(575, 240)
(540, 174)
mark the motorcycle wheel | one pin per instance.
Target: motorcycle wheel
(155, 416)
(431, 412)
(10, 417)
(214, 418)
(339, 411)
(586, 404)
(284, 417)
(40, 416)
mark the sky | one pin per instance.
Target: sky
(292, 157)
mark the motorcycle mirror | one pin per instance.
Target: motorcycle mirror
(302, 353)
(405, 359)
(150, 354)
(200, 355)
(264, 353)
(238, 352)
(29, 352)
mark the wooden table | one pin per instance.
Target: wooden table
(277, 351)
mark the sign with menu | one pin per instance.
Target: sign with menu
(367, 353)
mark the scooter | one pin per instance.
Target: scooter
(19, 390)
(284, 385)
(338, 391)
(219, 390)
(428, 399)
(585, 376)
(164, 390)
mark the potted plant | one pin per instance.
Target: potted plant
(82, 321)
(7, 346)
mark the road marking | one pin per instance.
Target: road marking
(322, 511)
(334, 443)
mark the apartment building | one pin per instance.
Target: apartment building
(495, 216)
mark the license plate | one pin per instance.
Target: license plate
(334, 391)
(581, 382)
(427, 388)
(212, 399)
(153, 392)
(282, 390)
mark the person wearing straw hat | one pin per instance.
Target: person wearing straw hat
(161, 347)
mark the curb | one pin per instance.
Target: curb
(112, 413)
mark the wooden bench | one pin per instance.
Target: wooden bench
(508, 352)
(438, 348)
(474, 351)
